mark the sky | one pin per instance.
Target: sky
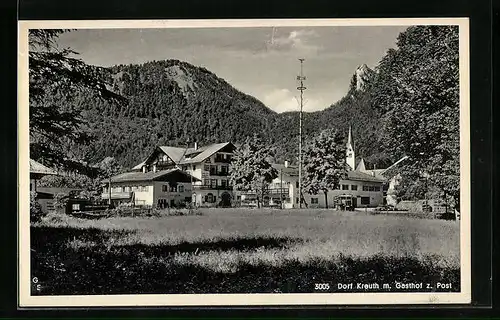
(262, 62)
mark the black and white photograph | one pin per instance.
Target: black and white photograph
(244, 162)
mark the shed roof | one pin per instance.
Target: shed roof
(38, 168)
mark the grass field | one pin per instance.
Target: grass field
(240, 250)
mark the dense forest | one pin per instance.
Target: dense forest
(175, 103)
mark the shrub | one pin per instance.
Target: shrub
(60, 201)
(128, 211)
(183, 212)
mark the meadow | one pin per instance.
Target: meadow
(240, 251)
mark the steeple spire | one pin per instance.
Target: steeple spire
(350, 156)
(349, 138)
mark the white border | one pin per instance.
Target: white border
(26, 300)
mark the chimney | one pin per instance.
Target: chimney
(143, 169)
(286, 163)
(196, 146)
(154, 167)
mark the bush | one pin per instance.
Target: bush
(36, 212)
(60, 201)
(128, 211)
(190, 211)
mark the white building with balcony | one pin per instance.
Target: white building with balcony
(208, 167)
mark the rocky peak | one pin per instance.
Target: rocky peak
(362, 76)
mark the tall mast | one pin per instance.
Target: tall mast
(301, 88)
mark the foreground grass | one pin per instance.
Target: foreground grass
(240, 251)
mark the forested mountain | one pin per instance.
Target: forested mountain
(174, 103)
(169, 103)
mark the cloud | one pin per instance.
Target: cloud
(297, 41)
(283, 100)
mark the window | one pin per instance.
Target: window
(224, 169)
(314, 200)
(173, 189)
(181, 188)
(123, 189)
(296, 200)
(206, 182)
(376, 188)
(75, 206)
(365, 200)
(209, 198)
(354, 187)
(206, 167)
(223, 183)
(296, 185)
(345, 187)
(194, 167)
(213, 183)
(365, 188)
(164, 188)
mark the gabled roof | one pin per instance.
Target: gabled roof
(199, 155)
(189, 155)
(361, 165)
(351, 174)
(361, 176)
(38, 168)
(149, 176)
(174, 153)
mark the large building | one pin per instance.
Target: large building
(206, 169)
(159, 188)
(367, 187)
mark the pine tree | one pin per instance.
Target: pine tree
(56, 79)
(324, 163)
(250, 168)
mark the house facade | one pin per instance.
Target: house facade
(209, 167)
(156, 188)
(367, 190)
(366, 187)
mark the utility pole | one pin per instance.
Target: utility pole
(301, 88)
(109, 191)
(281, 189)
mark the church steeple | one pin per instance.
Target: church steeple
(350, 156)
(349, 137)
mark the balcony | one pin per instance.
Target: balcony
(117, 195)
(210, 187)
(222, 160)
(219, 173)
(273, 191)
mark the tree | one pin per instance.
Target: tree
(418, 89)
(250, 168)
(109, 167)
(56, 78)
(324, 163)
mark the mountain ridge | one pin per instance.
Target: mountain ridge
(172, 102)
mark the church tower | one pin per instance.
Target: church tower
(350, 158)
